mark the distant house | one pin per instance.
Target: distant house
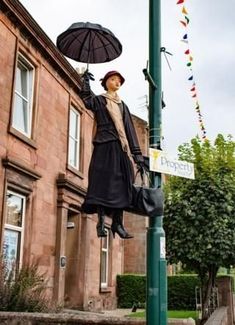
(45, 149)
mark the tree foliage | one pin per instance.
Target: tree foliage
(200, 214)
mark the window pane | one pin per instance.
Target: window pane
(74, 138)
(11, 246)
(72, 152)
(103, 267)
(73, 124)
(22, 80)
(20, 115)
(22, 110)
(14, 214)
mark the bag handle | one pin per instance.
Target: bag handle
(142, 172)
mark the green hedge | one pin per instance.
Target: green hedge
(181, 291)
(130, 290)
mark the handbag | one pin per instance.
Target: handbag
(146, 201)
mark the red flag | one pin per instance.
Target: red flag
(195, 95)
(192, 89)
(186, 52)
(180, 1)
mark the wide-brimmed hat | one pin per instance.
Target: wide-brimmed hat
(109, 74)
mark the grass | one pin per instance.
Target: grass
(170, 314)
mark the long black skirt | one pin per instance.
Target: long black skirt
(110, 178)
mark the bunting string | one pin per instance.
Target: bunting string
(184, 21)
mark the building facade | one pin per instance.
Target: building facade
(45, 149)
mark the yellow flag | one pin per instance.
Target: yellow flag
(184, 11)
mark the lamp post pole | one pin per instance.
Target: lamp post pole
(156, 308)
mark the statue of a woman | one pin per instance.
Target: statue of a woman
(115, 142)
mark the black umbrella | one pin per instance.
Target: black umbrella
(89, 43)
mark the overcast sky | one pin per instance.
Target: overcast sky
(211, 41)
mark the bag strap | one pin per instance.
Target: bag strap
(143, 172)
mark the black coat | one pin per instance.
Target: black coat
(111, 172)
(106, 130)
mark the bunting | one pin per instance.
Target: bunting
(189, 57)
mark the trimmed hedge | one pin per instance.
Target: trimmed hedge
(181, 291)
(130, 290)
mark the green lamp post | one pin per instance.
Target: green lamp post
(156, 309)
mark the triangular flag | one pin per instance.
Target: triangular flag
(190, 78)
(189, 64)
(186, 52)
(179, 2)
(185, 36)
(191, 58)
(183, 23)
(192, 89)
(195, 95)
(187, 19)
(184, 11)
(186, 42)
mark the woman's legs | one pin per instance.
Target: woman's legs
(117, 225)
(100, 228)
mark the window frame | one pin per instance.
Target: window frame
(20, 230)
(76, 167)
(106, 250)
(31, 74)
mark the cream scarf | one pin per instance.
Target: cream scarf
(116, 116)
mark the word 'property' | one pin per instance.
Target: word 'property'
(176, 165)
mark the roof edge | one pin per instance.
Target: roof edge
(23, 17)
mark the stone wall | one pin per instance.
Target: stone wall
(219, 317)
(224, 284)
(78, 319)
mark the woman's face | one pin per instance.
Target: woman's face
(113, 83)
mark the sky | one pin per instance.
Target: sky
(211, 43)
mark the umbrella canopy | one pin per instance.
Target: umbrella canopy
(89, 43)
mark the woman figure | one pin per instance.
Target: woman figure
(115, 142)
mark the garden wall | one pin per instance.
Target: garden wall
(10, 318)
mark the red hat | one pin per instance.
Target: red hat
(109, 74)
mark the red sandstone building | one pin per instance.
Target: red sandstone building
(45, 148)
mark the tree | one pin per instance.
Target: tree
(200, 214)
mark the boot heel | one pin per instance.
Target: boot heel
(122, 233)
(117, 226)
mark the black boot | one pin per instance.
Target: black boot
(117, 225)
(101, 232)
